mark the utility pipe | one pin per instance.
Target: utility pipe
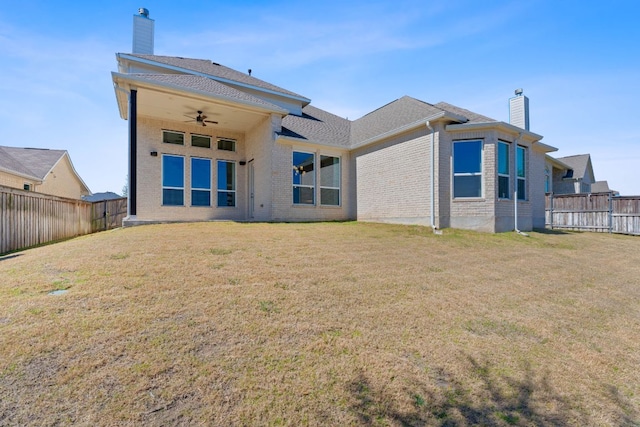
(433, 180)
(515, 189)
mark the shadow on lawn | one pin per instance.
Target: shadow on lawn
(500, 400)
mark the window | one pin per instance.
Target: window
(329, 180)
(172, 180)
(467, 168)
(27, 186)
(201, 141)
(304, 184)
(200, 182)
(503, 170)
(226, 184)
(520, 166)
(226, 144)
(171, 137)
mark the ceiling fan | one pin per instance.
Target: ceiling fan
(201, 119)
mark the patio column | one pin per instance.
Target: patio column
(133, 151)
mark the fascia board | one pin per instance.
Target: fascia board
(444, 115)
(22, 175)
(306, 101)
(281, 139)
(127, 82)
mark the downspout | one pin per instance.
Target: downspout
(433, 180)
(515, 189)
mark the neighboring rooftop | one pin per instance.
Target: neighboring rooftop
(31, 162)
(578, 163)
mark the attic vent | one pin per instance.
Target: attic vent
(215, 63)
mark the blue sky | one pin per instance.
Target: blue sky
(578, 62)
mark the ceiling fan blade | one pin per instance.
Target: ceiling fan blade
(211, 121)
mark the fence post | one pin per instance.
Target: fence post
(551, 210)
(610, 196)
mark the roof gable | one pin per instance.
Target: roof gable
(580, 164)
(33, 162)
(214, 70)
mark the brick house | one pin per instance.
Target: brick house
(208, 142)
(41, 170)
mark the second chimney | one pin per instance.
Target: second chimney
(142, 33)
(519, 110)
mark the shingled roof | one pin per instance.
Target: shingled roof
(316, 125)
(578, 163)
(204, 66)
(29, 162)
(204, 84)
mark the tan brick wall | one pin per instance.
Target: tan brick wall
(62, 181)
(14, 181)
(393, 182)
(149, 172)
(282, 181)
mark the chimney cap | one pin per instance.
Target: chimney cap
(518, 91)
(144, 12)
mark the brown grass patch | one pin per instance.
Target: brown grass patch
(321, 324)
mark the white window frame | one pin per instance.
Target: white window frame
(235, 144)
(523, 178)
(210, 189)
(480, 174)
(339, 180)
(200, 136)
(235, 184)
(503, 175)
(166, 131)
(184, 167)
(313, 186)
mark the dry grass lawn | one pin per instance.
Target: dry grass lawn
(321, 324)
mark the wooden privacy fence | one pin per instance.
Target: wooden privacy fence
(601, 212)
(29, 219)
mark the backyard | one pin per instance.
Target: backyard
(321, 324)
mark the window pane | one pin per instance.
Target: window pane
(303, 195)
(329, 196)
(521, 162)
(172, 137)
(521, 189)
(303, 168)
(200, 198)
(201, 141)
(226, 175)
(172, 197)
(201, 173)
(467, 186)
(226, 198)
(226, 144)
(503, 187)
(467, 157)
(172, 171)
(329, 171)
(503, 158)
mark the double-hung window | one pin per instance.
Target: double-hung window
(200, 182)
(467, 168)
(304, 181)
(226, 183)
(503, 170)
(329, 180)
(521, 160)
(172, 180)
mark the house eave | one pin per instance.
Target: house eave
(444, 115)
(505, 127)
(125, 82)
(38, 180)
(303, 100)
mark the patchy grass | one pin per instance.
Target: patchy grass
(321, 324)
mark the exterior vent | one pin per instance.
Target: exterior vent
(143, 33)
(519, 110)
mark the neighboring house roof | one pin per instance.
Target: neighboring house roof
(212, 69)
(580, 166)
(99, 197)
(600, 187)
(33, 163)
(316, 125)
